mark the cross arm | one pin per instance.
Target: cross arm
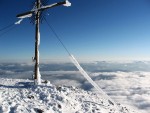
(24, 15)
(29, 13)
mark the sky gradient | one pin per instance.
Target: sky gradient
(91, 30)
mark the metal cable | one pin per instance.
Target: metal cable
(53, 30)
(7, 31)
(10, 27)
(6, 27)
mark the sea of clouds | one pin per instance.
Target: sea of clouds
(127, 83)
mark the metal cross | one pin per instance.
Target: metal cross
(37, 11)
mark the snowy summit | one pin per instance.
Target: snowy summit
(21, 96)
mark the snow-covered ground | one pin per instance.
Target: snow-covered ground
(21, 96)
(127, 83)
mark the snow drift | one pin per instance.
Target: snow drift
(21, 96)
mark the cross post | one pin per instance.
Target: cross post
(37, 75)
(37, 11)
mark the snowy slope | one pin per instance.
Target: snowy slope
(21, 96)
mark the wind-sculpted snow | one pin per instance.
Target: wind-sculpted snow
(21, 96)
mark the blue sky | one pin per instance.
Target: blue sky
(91, 30)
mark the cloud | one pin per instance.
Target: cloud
(130, 88)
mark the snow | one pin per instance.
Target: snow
(38, 80)
(38, 38)
(39, 77)
(25, 16)
(19, 21)
(21, 96)
(67, 4)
